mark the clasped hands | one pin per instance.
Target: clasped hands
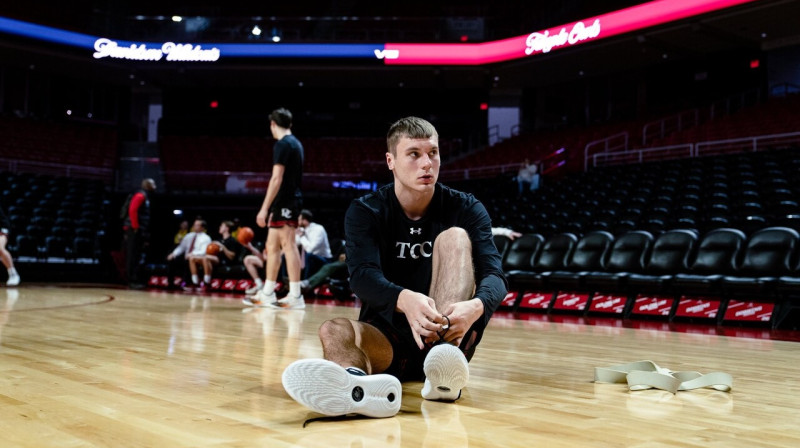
(429, 325)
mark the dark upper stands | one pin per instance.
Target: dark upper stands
(59, 149)
(55, 219)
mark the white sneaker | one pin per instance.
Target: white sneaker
(260, 299)
(446, 373)
(328, 388)
(13, 280)
(254, 290)
(289, 303)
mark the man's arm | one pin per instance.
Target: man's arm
(272, 190)
(253, 250)
(367, 279)
(133, 210)
(491, 286)
(313, 239)
(181, 247)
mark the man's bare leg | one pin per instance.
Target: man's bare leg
(273, 259)
(339, 384)
(193, 270)
(290, 252)
(265, 296)
(453, 280)
(351, 343)
(252, 264)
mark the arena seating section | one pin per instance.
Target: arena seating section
(55, 147)
(724, 227)
(55, 189)
(59, 221)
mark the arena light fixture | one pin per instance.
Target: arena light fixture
(584, 31)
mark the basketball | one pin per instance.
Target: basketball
(245, 235)
(212, 249)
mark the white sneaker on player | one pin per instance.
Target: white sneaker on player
(254, 290)
(13, 280)
(446, 373)
(260, 299)
(290, 303)
(328, 388)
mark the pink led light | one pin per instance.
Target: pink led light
(618, 22)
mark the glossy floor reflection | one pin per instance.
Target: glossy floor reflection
(97, 366)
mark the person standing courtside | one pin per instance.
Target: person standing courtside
(423, 262)
(136, 226)
(280, 211)
(5, 255)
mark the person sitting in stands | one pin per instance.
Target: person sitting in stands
(193, 245)
(231, 252)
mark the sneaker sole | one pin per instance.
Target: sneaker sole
(286, 306)
(327, 388)
(446, 373)
(257, 305)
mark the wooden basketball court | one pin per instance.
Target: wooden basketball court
(96, 366)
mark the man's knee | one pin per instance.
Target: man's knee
(336, 330)
(453, 239)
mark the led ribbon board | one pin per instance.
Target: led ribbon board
(587, 30)
(583, 31)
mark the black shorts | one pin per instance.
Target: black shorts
(408, 359)
(284, 214)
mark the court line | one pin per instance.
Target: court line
(109, 299)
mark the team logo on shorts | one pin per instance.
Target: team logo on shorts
(286, 213)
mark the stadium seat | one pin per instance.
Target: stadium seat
(83, 248)
(590, 255)
(717, 255)
(769, 254)
(670, 255)
(629, 254)
(27, 246)
(502, 243)
(55, 246)
(521, 253)
(554, 255)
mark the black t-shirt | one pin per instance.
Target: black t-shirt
(387, 252)
(238, 249)
(288, 152)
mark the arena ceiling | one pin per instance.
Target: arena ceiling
(750, 29)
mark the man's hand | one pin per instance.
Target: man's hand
(420, 310)
(261, 218)
(462, 315)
